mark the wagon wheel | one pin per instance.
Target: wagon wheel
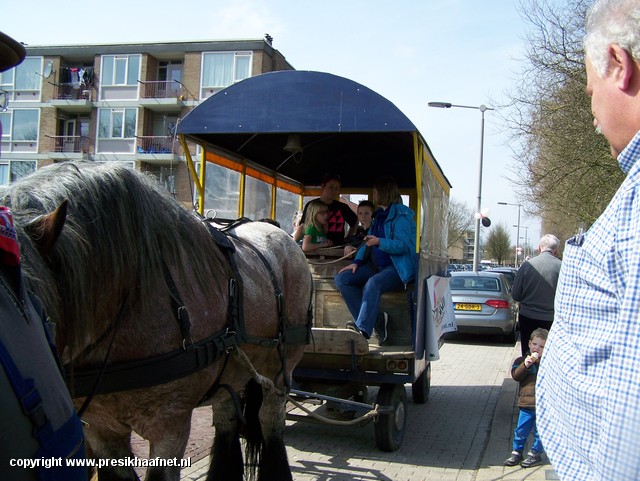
(421, 387)
(389, 428)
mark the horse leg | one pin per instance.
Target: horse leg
(274, 464)
(167, 446)
(226, 453)
(111, 444)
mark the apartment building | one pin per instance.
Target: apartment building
(118, 102)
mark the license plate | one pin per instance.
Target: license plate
(468, 307)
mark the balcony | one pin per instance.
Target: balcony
(163, 96)
(73, 97)
(159, 148)
(69, 147)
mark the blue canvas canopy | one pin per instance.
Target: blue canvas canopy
(343, 126)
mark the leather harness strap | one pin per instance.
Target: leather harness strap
(191, 356)
(152, 371)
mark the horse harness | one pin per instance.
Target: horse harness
(191, 356)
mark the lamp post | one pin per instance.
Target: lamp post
(518, 230)
(482, 108)
(526, 238)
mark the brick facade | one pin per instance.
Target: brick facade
(56, 109)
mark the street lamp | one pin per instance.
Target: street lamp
(526, 238)
(482, 108)
(518, 231)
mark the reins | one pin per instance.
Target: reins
(334, 261)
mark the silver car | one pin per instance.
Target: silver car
(509, 272)
(483, 304)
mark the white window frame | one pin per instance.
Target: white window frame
(110, 127)
(8, 133)
(124, 62)
(8, 170)
(235, 75)
(30, 69)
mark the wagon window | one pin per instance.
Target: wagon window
(221, 191)
(257, 204)
(287, 204)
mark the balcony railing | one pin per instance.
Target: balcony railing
(169, 89)
(157, 145)
(70, 143)
(73, 91)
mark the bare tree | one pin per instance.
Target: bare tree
(459, 220)
(566, 173)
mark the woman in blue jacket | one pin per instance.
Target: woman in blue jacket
(388, 262)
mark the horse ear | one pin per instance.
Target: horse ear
(45, 230)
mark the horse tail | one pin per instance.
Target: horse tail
(252, 431)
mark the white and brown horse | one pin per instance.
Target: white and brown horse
(134, 281)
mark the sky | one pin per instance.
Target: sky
(412, 52)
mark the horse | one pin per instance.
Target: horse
(128, 275)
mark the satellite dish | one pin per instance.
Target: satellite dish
(48, 69)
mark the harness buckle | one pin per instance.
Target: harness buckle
(230, 335)
(181, 310)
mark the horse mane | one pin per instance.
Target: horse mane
(122, 231)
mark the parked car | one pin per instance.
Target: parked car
(509, 272)
(483, 304)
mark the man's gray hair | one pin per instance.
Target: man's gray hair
(612, 21)
(549, 243)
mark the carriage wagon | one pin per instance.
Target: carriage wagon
(258, 149)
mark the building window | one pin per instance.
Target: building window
(120, 69)
(23, 82)
(15, 169)
(20, 125)
(28, 74)
(219, 70)
(117, 123)
(25, 125)
(6, 79)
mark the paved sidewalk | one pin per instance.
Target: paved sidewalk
(505, 419)
(470, 447)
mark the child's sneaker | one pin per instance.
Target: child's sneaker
(354, 327)
(533, 459)
(515, 458)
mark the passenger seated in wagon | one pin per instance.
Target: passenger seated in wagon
(387, 264)
(339, 212)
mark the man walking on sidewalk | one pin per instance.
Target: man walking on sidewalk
(535, 289)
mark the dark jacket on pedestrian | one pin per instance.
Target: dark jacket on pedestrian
(527, 379)
(535, 286)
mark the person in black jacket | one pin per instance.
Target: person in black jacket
(535, 289)
(340, 214)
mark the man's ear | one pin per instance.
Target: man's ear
(621, 66)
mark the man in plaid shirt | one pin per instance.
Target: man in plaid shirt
(588, 387)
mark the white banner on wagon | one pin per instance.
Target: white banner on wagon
(440, 314)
